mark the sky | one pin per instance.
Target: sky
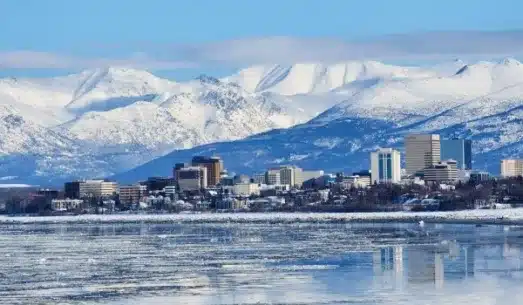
(181, 38)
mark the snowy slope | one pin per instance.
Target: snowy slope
(305, 78)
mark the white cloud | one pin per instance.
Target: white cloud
(272, 50)
(45, 60)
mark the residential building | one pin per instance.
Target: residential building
(272, 176)
(72, 190)
(192, 178)
(214, 166)
(130, 194)
(385, 166)
(66, 204)
(246, 189)
(511, 168)
(445, 171)
(459, 150)
(98, 188)
(421, 151)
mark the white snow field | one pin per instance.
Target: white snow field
(499, 216)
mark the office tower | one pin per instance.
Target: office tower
(272, 176)
(214, 166)
(192, 178)
(72, 190)
(459, 150)
(421, 151)
(385, 166)
(288, 175)
(511, 168)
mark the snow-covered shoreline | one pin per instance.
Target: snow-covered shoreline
(505, 216)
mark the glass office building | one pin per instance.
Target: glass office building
(459, 150)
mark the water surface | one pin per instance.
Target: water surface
(260, 264)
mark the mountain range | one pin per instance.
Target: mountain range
(130, 124)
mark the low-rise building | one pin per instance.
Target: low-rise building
(511, 168)
(445, 171)
(66, 204)
(130, 194)
(246, 189)
(98, 188)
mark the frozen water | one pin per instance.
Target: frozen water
(259, 263)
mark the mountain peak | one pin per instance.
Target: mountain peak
(203, 78)
(510, 62)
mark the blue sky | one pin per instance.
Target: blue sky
(182, 37)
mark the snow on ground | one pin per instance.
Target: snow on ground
(500, 216)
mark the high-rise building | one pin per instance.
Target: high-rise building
(511, 168)
(272, 176)
(459, 150)
(385, 166)
(259, 178)
(445, 171)
(192, 178)
(287, 175)
(421, 151)
(214, 166)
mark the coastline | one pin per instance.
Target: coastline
(498, 217)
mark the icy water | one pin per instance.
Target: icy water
(260, 264)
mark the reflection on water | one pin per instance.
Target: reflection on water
(260, 264)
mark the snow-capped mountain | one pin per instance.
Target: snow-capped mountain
(481, 101)
(101, 122)
(115, 114)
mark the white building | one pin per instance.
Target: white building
(246, 189)
(192, 178)
(385, 166)
(272, 176)
(445, 171)
(98, 188)
(511, 168)
(308, 175)
(66, 204)
(421, 151)
(355, 181)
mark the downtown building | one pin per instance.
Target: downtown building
(459, 150)
(213, 166)
(385, 166)
(445, 171)
(130, 194)
(511, 168)
(421, 151)
(90, 189)
(193, 178)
